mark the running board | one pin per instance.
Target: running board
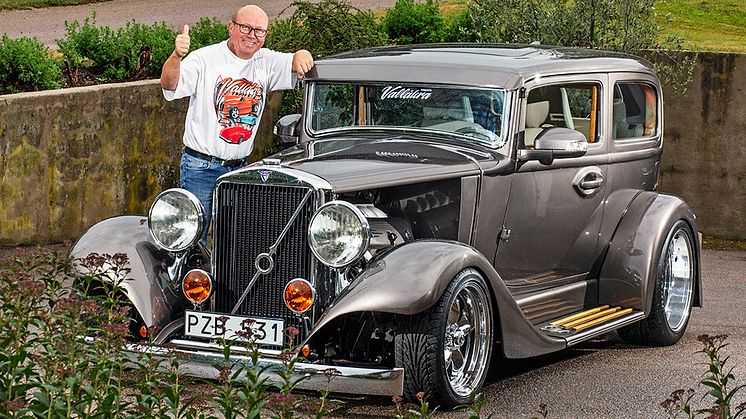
(588, 324)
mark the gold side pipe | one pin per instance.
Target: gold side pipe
(604, 319)
(586, 319)
(562, 321)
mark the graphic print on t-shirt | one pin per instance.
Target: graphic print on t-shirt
(237, 103)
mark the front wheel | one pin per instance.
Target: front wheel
(674, 292)
(445, 351)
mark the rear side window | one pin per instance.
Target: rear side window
(635, 111)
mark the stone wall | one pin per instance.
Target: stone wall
(70, 158)
(73, 157)
(704, 153)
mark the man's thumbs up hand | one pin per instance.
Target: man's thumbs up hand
(182, 42)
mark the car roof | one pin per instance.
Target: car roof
(505, 66)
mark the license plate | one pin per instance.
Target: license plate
(211, 325)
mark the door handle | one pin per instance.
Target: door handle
(593, 183)
(588, 181)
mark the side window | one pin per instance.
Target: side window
(572, 105)
(332, 106)
(635, 111)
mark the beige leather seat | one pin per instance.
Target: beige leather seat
(536, 114)
(457, 110)
(621, 127)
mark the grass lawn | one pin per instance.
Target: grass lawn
(706, 25)
(31, 4)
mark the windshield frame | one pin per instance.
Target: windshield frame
(499, 142)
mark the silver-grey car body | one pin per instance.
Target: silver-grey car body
(508, 200)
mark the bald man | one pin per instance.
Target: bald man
(227, 85)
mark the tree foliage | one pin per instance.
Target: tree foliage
(627, 26)
(325, 28)
(409, 22)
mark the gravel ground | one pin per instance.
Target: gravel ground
(48, 24)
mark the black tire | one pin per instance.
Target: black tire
(677, 268)
(430, 345)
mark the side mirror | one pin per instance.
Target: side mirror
(287, 128)
(555, 143)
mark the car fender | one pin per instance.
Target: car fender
(629, 270)
(149, 286)
(410, 278)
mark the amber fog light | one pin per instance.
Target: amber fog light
(299, 295)
(197, 285)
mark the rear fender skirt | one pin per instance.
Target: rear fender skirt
(150, 288)
(629, 271)
(410, 279)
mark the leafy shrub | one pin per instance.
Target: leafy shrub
(622, 26)
(718, 380)
(324, 28)
(414, 23)
(207, 32)
(47, 368)
(133, 52)
(25, 64)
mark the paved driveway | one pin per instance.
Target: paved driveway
(607, 378)
(49, 24)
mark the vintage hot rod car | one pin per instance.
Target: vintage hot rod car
(438, 205)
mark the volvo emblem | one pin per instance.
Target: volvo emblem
(264, 174)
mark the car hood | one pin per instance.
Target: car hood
(349, 164)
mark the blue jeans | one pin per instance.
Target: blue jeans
(198, 176)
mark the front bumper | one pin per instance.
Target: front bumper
(198, 359)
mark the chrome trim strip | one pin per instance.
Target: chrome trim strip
(353, 380)
(603, 328)
(311, 180)
(206, 346)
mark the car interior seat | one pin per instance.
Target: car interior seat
(438, 111)
(536, 114)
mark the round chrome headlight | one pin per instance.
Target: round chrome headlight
(176, 219)
(339, 234)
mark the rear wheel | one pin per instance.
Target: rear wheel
(674, 292)
(445, 351)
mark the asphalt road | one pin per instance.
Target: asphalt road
(48, 24)
(607, 378)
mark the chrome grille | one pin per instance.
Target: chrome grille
(249, 219)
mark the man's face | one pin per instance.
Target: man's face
(244, 45)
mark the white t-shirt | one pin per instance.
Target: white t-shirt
(227, 96)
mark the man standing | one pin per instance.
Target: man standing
(227, 84)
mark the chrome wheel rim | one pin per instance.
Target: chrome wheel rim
(678, 281)
(468, 337)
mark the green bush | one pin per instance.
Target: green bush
(207, 32)
(622, 26)
(414, 23)
(133, 52)
(25, 64)
(47, 368)
(325, 28)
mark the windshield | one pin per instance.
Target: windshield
(474, 114)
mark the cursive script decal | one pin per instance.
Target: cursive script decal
(400, 92)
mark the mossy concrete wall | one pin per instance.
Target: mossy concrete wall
(70, 158)
(704, 152)
(73, 157)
